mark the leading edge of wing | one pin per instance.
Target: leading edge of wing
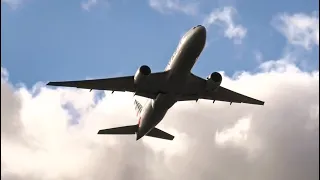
(153, 83)
(106, 84)
(149, 89)
(115, 84)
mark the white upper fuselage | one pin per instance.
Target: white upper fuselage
(179, 68)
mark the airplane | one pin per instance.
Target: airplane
(163, 89)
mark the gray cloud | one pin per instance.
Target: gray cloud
(213, 141)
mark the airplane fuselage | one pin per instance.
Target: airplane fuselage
(179, 68)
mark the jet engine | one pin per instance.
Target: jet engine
(213, 81)
(141, 74)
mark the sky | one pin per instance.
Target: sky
(268, 51)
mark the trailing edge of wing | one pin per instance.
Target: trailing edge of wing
(221, 94)
(224, 94)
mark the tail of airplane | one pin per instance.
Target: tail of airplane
(133, 129)
(127, 130)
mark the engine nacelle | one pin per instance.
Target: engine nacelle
(213, 81)
(141, 74)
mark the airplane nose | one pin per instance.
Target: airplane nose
(201, 30)
(200, 34)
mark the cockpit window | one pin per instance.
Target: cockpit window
(196, 26)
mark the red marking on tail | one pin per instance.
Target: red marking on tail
(139, 121)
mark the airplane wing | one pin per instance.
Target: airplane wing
(150, 89)
(196, 92)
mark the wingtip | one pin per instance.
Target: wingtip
(50, 84)
(53, 83)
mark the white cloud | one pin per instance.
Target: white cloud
(168, 6)
(300, 29)
(258, 56)
(224, 17)
(87, 5)
(12, 3)
(4, 74)
(235, 134)
(213, 141)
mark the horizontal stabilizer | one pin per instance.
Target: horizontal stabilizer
(120, 130)
(157, 133)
